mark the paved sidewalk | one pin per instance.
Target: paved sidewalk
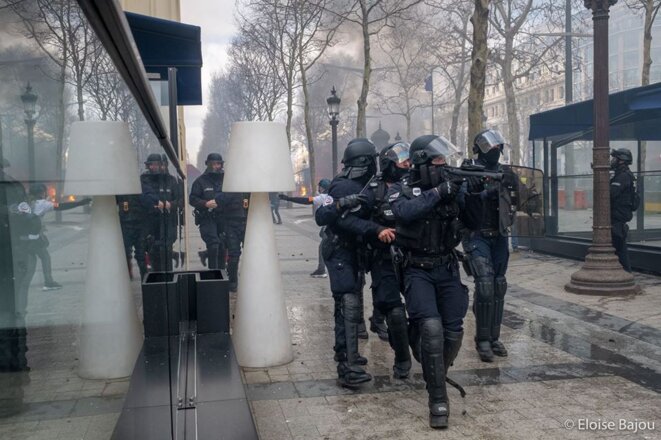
(574, 361)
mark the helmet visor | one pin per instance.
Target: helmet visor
(488, 140)
(398, 153)
(445, 148)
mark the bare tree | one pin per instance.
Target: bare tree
(107, 92)
(451, 55)
(256, 78)
(518, 49)
(406, 51)
(372, 16)
(318, 30)
(480, 21)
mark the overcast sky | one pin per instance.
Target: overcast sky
(216, 18)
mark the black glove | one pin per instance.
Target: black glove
(283, 197)
(351, 201)
(447, 190)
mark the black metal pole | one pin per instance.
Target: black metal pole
(333, 124)
(29, 122)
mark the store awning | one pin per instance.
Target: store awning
(165, 43)
(634, 114)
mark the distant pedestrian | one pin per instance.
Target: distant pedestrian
(40, 205)
(624, 201)
(275, 208)
(316, 202)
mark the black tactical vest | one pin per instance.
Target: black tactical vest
(438, 233)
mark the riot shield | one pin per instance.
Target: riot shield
(521, 202)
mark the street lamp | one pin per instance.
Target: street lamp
(333, 102)
(29, 104)
(602, 273)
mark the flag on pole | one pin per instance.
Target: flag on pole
(429, 85)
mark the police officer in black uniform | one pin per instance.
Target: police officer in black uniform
(160, 198)
(348, 223)
(394, 164)
(486, 245)
(206, 197)
(234, 214)
(623, 202)
(132, 215)
(426, 212)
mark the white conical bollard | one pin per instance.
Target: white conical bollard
(110, 335)
(261, 333)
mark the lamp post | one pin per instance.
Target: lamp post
(29, 104)
(602, 273)
(333, 102)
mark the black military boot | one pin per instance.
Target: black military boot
(451, 347)
(398, 335)
(233, 273)
(433, 371)
(212, 257)
(342, 357)
(498, 347)
(350, 374)
(378, 325)
(362, 329)
(483, 309)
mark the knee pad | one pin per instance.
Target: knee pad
(351, 307)
(431, 332)
(500, 287)
(484, 289)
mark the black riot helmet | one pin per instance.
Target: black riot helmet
(489, 144)
(394, 161)
(154, 163)
(214, 158)
(425, 171)
(359, 159)
(621, 154)
(426, 148)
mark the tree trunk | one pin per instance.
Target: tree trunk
(361, 122)
(79, 98)
(647, 64)
(308, 127)
(290, 102)
(458, 92)
(510, 102)
(647, 42)
(480, 20)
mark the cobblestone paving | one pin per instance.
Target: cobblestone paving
(574, 361)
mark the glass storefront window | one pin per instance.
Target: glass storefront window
(45, 265)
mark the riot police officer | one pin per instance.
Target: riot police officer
(348, 222)
(426, 213)
(624, 200)
(160, 198)
(234, 215)
(394, 164)
(486, 245)
(206, 197)
(132, 216)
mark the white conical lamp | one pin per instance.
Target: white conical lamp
(258, 162)
(103, 163)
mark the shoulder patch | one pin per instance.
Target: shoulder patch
(328, 201)
(616, 183)
(417, 191)
(393, 196)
